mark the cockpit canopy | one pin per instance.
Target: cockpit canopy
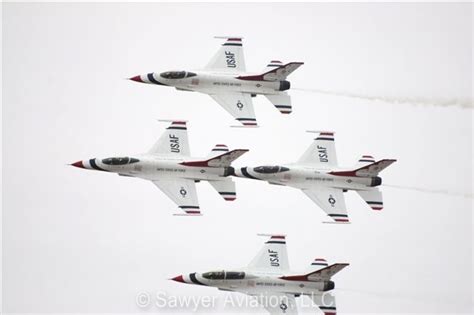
(177, 74)
(221, 275)
(119, 160)
(270, 169)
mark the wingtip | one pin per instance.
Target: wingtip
(272, 235)
(245, 126)
(321, 131)
(337, 222)
(229, 37)
(173, 120)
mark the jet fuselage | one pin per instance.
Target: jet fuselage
(305, 177)
(153, 168)
(255, 282)
(212, 82)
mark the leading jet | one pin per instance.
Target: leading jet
(225, 79)
(170, 167)
(268, 279)
(318, 175)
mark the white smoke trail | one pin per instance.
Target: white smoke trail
(404, 295)
(433, 191)
(466, 104)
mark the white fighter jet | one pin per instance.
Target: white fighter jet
(225, 79)
(317, 174)
(268, 279)
(169, 166)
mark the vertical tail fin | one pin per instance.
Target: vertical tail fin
(275, 74)
(282, 72)
(324, 274)
(218, 150)
(374, 169)
(369, 170)
(222, 160)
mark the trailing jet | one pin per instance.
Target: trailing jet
(268, 278)
(316, 173)
(225, 79)
(169, 166)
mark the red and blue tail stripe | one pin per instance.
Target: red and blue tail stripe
(276, 239)
(177, 125)
(329, 136)
(233, 42)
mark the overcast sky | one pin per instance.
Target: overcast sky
(83, 241)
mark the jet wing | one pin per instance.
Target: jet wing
(278, 303)
(331, 200)
(239, 105)
(182, 192)
(230, 57)
(174, 141)
(273, 257)
(322, 152)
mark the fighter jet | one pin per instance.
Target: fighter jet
(225, 79)
(317, 174)
(268, 278)
(169, 166)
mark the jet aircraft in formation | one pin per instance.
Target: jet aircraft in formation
(268, 278)
(225, 79)
(170, 167)
(318, 175)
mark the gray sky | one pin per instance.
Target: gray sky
(78, 241)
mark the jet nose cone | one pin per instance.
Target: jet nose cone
(78, 164)
(178, 279)
(136, 78)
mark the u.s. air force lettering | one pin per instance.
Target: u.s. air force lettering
(323, 154)
(174, 144)
(230, 59)
(274, 259)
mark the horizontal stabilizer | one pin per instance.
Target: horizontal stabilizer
(218, 150)
(364, 161)
(225, 188)
(324, 274)
(317, 263)
(373, 198)
(281, 101)
(223, 160)
(272, 65)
